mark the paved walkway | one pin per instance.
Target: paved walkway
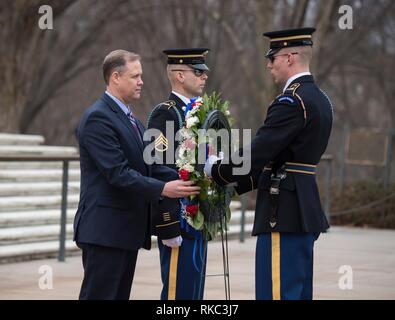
(369, 253)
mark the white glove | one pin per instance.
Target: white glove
(173, 242)
(210, 161)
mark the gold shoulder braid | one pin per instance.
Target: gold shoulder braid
(161, 142)
(293, 89)
(170, 104)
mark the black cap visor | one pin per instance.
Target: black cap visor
(199, 66)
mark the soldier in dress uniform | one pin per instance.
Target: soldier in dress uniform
(284, 155)
(182, 250)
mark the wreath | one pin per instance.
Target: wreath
(209, 211)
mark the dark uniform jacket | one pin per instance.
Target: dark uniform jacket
(117, 187)
(296, 131)
(166, 213)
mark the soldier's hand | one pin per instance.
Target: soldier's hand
(209, 164)
(180, 189)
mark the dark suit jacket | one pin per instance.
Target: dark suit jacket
(117, 187)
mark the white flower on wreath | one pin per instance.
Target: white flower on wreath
(190, 158)
(192, 121)
(182, 152)
(180, 163)
(185, 133)
(189, 143)
(188, 167)
(186, 155)
(192, 112)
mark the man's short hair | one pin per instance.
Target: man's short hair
(305, 53)
(116, 61)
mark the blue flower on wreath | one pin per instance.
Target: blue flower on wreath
(190, 105)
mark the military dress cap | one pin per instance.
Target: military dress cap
(289, 38)
(193, 57)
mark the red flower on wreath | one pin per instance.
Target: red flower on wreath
(192, 209)
(184, 174)
(197, 103)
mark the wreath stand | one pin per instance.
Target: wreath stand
(217, 213)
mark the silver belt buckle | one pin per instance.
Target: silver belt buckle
(274, 190)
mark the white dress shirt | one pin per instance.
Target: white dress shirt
(183, 98)
(126, 109)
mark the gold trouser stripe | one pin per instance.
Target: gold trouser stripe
(304, 108)
(171, 295)
(276, 266)
(291, 38)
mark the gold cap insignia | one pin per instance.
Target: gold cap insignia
(161, 143)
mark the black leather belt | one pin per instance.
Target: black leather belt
(297, 168)
(276, 177)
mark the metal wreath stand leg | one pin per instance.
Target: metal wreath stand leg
(217, 120)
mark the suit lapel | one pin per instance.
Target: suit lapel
(128, 124)
(123, 118)
(141, 129)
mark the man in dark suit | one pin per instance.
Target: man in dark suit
(179, 244)
(284, 155)
(117, 187)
